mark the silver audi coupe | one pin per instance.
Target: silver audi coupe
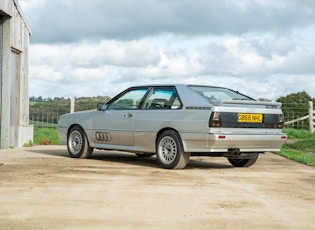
(175, 122)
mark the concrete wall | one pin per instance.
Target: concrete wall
(14, 98)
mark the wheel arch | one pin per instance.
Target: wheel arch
(165, 129)
(169, 149)
(73, 125)
(78, 143)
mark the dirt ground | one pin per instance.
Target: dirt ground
(42, 188)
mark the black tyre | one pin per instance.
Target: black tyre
(243, 162)
(77, 143)
(170, 152)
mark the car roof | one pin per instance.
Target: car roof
(177, 85)
(188, 97)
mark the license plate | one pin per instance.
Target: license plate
(250, 117)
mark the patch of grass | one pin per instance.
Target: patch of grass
(298, 133)
(304, 145)
(300, 147)
(43, 124)
(298, 156)
(29, 144)
(46, 136)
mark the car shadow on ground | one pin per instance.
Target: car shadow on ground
(125, 158)
(51, 152)
(133, 159)
(194, 163)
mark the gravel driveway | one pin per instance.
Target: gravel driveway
(42, 188)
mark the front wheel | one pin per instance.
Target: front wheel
(243, 162)
(170, 152)
(78, 145)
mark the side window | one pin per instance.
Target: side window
(162, 98)
(128, 101)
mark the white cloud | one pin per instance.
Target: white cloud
(262, 48)
(69, 21)
(235, 61)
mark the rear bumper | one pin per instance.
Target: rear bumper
(220, 142)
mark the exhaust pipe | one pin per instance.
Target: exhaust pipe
(235, 153)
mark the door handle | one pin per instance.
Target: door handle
(128, 115)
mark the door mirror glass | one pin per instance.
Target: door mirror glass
(101, 106)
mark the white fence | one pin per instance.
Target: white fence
(310, 117)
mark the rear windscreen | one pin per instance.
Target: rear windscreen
(218, 94)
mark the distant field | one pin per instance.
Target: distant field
(33, 103)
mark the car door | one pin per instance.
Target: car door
(160, 109)
(114, 126)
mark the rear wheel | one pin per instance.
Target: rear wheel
(243, 162)
(170, 152)
(77, 143)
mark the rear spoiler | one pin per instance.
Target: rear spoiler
(275, 105)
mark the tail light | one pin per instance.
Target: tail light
(215, 119)
(281, 122)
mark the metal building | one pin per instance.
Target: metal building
(15, 34)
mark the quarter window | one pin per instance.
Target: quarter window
(162, 98)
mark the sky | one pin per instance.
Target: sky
(262, 48)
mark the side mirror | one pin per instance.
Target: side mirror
(101, 106)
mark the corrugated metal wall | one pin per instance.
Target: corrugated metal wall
(1, 22)
(14, 106)
(14, 98)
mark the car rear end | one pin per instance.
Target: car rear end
(246, 126)
(238, 124)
